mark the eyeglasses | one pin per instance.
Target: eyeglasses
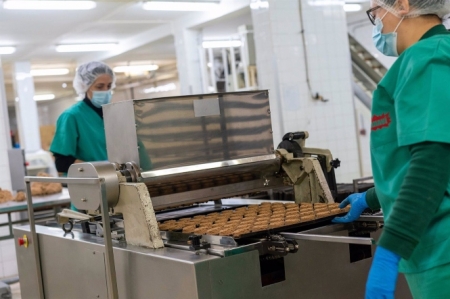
(370, 15)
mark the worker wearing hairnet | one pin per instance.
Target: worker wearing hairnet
(80, 132)
(410, 149)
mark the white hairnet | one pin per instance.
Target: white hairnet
(89, 72)
(417, 7)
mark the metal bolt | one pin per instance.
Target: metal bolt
(84, 199)
(80, 169)
(268, 111)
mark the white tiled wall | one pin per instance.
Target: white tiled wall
(281, 68)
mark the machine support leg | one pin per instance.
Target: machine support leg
(35, 242)
(110, 265)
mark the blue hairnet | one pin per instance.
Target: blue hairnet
(417, 7)
(89, 72)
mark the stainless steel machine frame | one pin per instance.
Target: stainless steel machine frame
(228, 152)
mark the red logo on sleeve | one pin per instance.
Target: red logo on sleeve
(381, 121)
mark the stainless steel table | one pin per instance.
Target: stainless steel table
(46, 207)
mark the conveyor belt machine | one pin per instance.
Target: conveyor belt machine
(172, 161)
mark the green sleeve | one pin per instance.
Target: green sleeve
(422, 97)
(66, 136)
(372, 200)
(420, 196)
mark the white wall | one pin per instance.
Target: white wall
(282, 69)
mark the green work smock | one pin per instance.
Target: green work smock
(410, 106)
(80, 133)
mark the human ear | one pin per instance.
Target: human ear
(402, 7)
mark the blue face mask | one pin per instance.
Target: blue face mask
(100, 98)
(386, 43)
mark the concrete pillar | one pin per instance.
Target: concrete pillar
(187, 45)
(296, 67)
(26, 108)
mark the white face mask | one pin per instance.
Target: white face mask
(386, 43)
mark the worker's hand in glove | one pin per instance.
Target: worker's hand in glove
(359, 204)
(382, 275)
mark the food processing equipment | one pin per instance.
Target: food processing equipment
(173, 161)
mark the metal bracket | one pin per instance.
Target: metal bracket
(195, 243)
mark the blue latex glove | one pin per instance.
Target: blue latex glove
(359, 204)
(382, 275)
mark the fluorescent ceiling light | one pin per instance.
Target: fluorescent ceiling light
(136, 68)
(49, 72)
(179, 6)
(49, 5)
(222, 44)
(85, 47)
(352, 7)
(44, 97)
(7, 50)
(162, 88)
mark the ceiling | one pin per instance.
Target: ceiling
(36, 33)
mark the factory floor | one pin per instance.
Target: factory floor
(15, 290)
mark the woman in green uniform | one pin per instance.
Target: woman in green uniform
(80, 132)
(410, 148)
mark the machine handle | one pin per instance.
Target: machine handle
(328, 238)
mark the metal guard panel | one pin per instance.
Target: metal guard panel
(206, 166)
(201, 129)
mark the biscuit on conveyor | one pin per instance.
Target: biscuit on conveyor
(241, 231)
(221, 221)
(306, 205)
(307, 218)
(163, 226)
(226, 231)
(205, 224)
(260, 228)
(333, 205)
(276, 224)
(184, 220)
(189, 229)
(264, 213)
(292, 221)
(304, 213)
(277, 214)
(323, 214)
(292, 213)
(293, 218)
(248, 221)
(227, 213)
(5, 196)
(336, 211)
